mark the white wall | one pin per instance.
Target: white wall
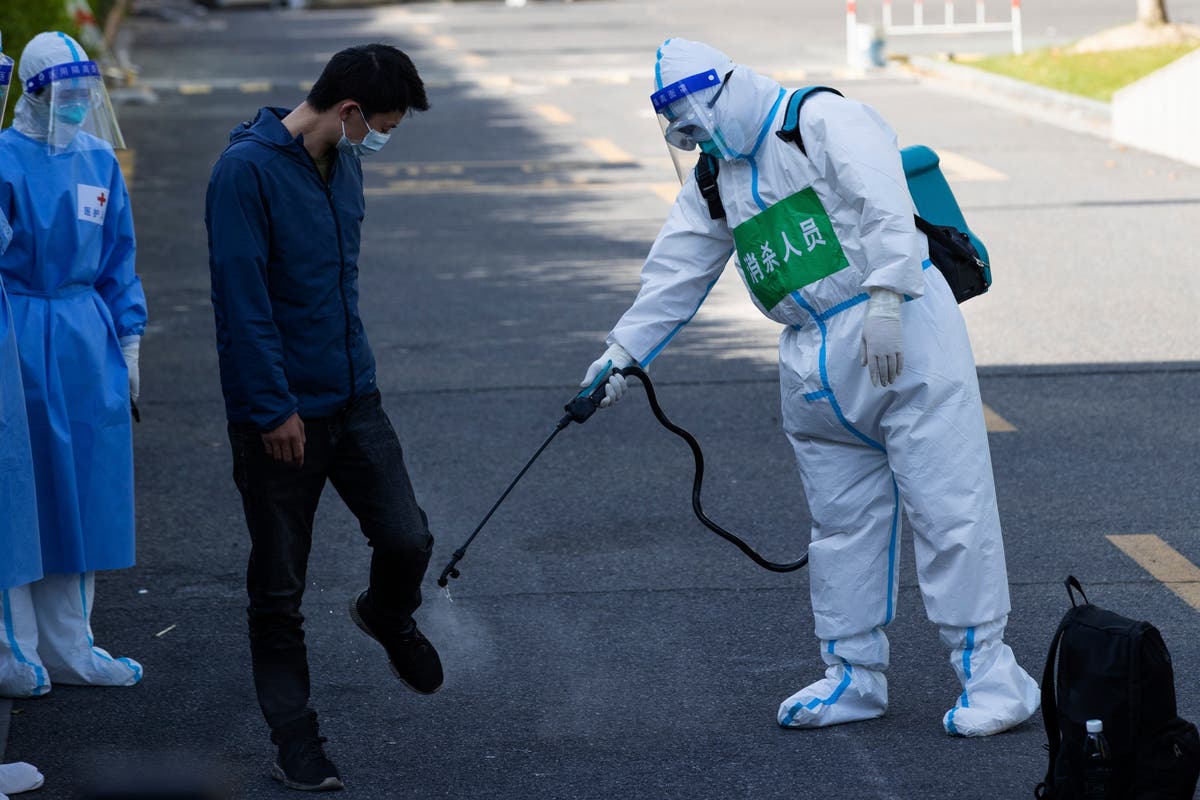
(1161, 112)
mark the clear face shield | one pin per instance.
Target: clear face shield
(685, 113)
(78, 103)
(6, 73)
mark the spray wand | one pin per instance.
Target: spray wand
(579, 410)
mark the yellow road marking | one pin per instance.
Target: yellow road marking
(195, 88)
(252, 87)
(306, 86)
(1164, 562)
(995, 422)
(128, 161)
(667, 191)
(790, 76)
(960, 168)
(554, 114)
(446, 42)
(608, 151)
(495, 82)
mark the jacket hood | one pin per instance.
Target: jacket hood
(745, 106)
(267, 129)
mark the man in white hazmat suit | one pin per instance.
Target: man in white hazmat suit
(827, 247)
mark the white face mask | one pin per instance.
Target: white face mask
(373, 142)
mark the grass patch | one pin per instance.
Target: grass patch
(1094, 75)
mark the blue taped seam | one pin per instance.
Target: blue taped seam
(70, 45)
(965, 702)
(828, 701)
(658, 84)
(892, 543)
(9, 630)
(837, 409)
(844, 305)
(813, 396)
(654, 353)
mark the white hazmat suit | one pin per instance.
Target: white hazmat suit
(818, 235)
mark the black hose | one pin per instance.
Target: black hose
(697, 482)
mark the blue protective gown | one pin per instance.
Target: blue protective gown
(69, 272)
(21, 562)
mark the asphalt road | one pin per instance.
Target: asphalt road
(600, 642)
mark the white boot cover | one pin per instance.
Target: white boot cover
(854, 687)
(64, 606)
(22, 673)
(997, 693)
(19, 777)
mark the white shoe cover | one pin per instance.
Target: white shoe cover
(64, 604)
(19, 777)
(22, 673)
(997, 693)
(847, 693)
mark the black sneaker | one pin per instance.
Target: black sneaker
(303, 765)
(412, 657)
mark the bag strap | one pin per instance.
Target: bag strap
(790, 132)
(1050, 715)
(1049, 700)
(1073, 583)
(706, 178)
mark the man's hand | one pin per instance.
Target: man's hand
(882, 337)
(286, 443)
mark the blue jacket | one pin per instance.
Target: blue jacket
(283, 255)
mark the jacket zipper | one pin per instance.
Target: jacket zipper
(326, 186)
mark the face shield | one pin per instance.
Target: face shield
(78, 104)
(685, 112)
(6, 72)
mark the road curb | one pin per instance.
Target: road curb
(1048, 105)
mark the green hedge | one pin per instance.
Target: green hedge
(20, 21)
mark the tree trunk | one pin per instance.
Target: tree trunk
(1152, 12)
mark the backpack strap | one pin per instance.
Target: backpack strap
(1049, 700)
(1050, 715)
(790, 132)
(706, 178)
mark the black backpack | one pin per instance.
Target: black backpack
(1116, 670)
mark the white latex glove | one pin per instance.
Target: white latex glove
(129, 348)
(614, 358)
(882, 337)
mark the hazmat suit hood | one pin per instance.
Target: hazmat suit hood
(65, 103)
(747, 101)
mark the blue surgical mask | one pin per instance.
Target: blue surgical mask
(71, 114)
(711, 148)
(373, 142)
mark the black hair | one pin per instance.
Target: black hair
(378, 77)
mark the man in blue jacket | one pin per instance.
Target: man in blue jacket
(284, 213)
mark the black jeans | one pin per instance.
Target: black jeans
(357, 450)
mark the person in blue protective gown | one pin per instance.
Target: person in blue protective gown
(78, 312)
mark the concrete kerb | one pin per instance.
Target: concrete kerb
(1047, 105)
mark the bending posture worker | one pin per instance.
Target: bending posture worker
(827, 247)
(79, 313)
(22, 562)
(284, 214)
